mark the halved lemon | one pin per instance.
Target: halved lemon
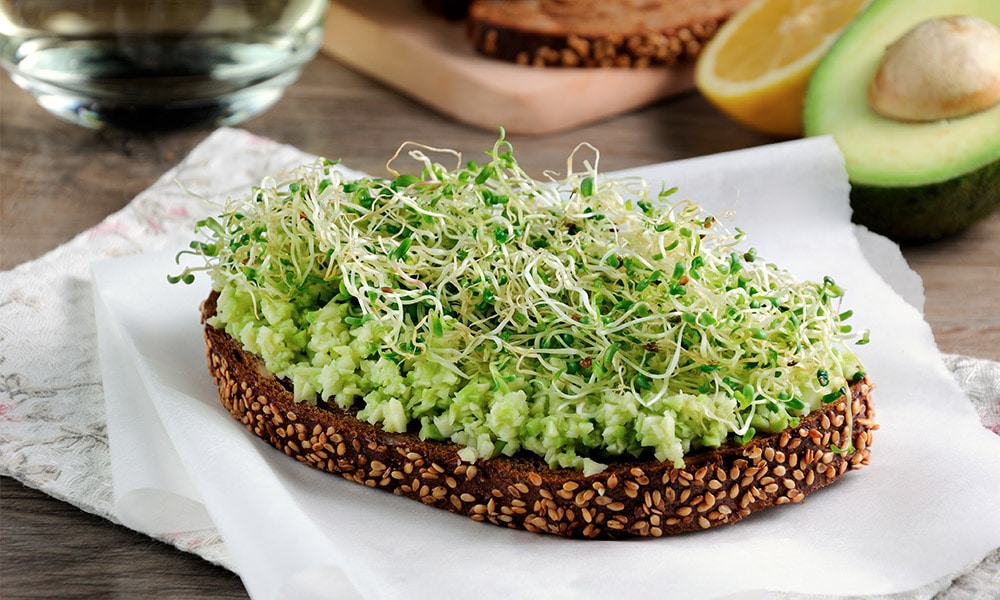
(757, 66)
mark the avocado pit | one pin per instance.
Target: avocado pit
(943, 68)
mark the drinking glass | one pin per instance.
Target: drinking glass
(158, 64)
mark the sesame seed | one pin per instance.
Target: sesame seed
(631, 489)
(615, 525)
(582, 498)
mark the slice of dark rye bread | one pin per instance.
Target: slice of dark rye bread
(642, 498)
(595, 33)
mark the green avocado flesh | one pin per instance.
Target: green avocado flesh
(910, 181)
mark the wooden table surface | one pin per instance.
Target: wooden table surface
(57, 180)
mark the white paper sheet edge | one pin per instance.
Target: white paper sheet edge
(152, 491)
(931, 368)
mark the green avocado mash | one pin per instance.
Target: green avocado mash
(579, 319)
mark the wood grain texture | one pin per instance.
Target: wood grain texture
(433, 61)
(57, 180)
(53, 550)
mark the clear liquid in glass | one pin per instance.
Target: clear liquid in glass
(157, 64)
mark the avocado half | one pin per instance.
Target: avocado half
(910, 181)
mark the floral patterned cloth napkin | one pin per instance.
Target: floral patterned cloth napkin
(53, 432)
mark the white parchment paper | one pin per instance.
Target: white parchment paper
(924, 508)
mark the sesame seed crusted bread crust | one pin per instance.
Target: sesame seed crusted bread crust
(647, 498)
(595, 33)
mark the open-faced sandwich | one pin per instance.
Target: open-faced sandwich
(582, 356)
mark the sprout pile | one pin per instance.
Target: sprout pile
(581, 318)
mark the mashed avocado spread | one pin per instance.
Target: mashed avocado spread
(580, 318)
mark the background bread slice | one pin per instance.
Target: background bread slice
(647, 498)
(595, 33)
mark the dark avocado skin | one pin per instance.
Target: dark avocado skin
(920, 214)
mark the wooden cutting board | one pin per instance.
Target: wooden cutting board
(400, 44)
